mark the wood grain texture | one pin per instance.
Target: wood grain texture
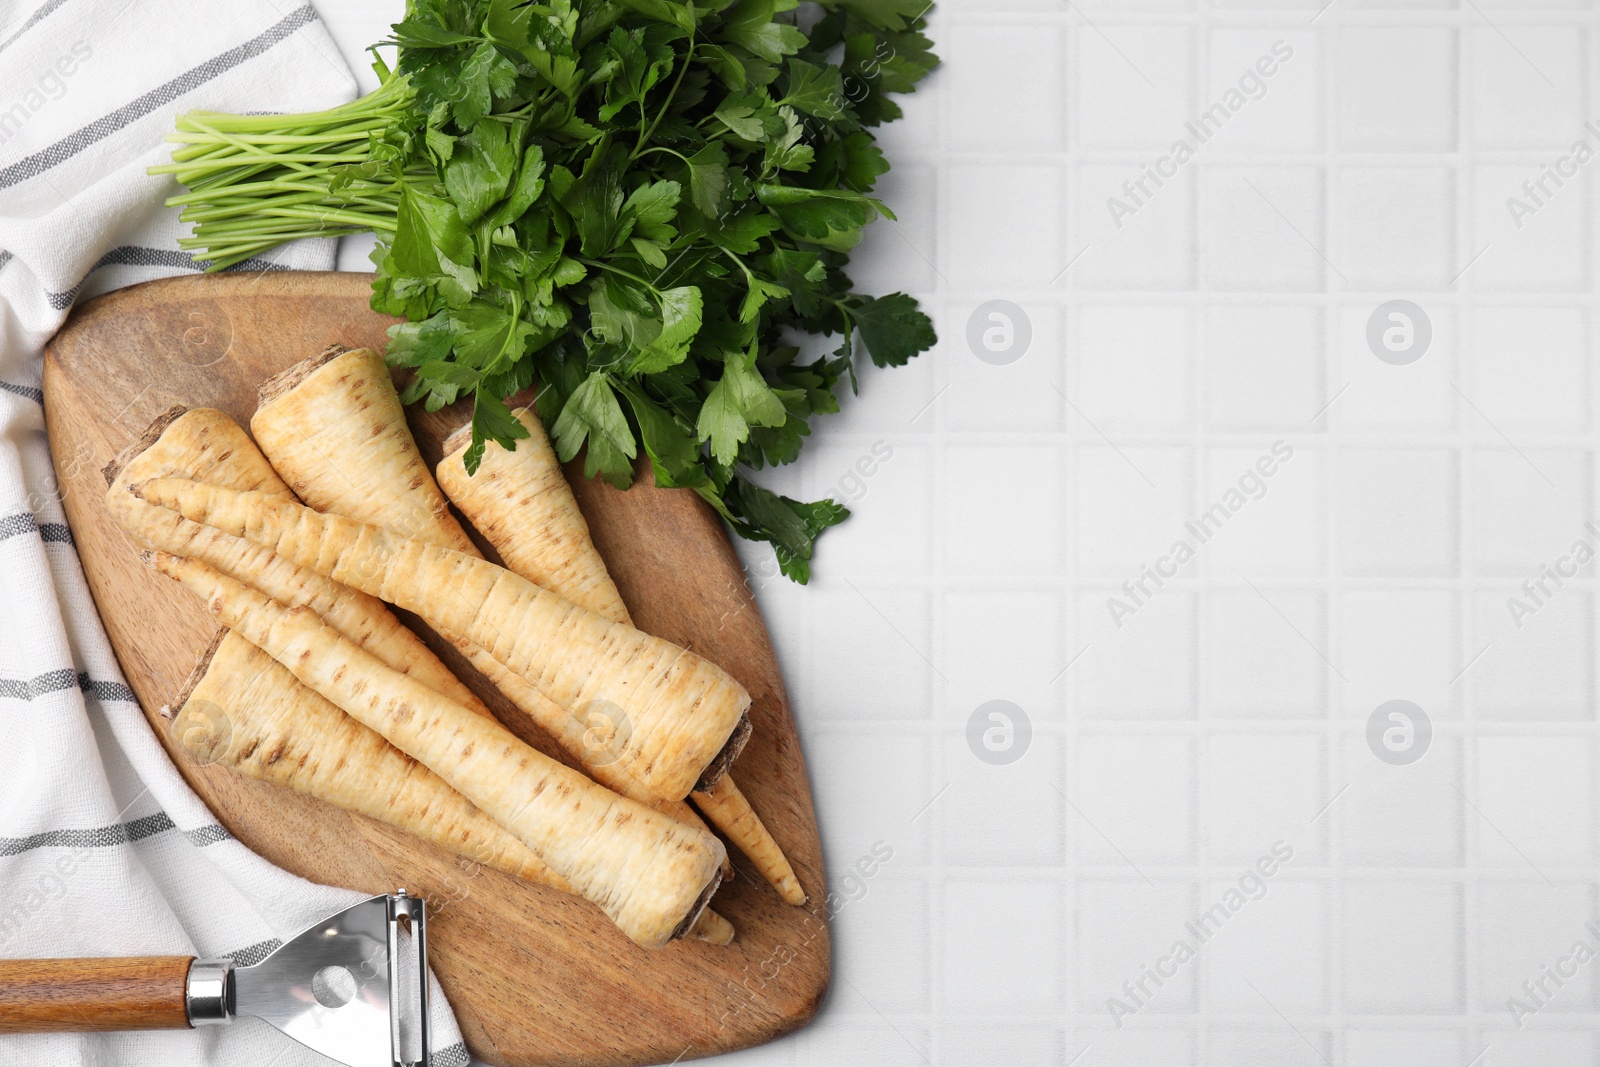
(535, 977)
(115, 993)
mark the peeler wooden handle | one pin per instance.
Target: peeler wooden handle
(116, 993)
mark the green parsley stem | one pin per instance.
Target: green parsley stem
(668, 151)
(260, 157)
(645, 135)
(612, 268)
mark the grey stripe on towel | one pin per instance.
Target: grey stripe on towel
(100, 129)
(101, 837)
(25, 523)
(33, 19)
(57, 680)
(26, 391)
(116, 834)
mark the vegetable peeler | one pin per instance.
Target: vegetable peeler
(337, 987)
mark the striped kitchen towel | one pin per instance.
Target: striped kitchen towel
(104, 851)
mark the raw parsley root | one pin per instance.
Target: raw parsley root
(519, 500)
(651, 874)
(636, 203)
(521, 503)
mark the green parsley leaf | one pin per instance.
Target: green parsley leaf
(480, 170)
(431, 243)
(653, 208)
(708, 179)
(893, 329)
(668, 439)
(791, 526)
(740, 400)
(680, 321)
(751, 26)
(529, 184)
(592, 415)
(741, 119)
(488, 335)
(816, 90)
(491, 421)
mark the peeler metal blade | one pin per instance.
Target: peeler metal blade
(339, 987)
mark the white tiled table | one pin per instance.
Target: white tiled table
(1229, 710)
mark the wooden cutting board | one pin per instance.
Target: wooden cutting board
(535, 976)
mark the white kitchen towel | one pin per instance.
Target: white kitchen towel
(104, 850)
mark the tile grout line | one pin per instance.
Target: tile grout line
(1201, 477)
(1466, 546)
(938, 891)
(1331, 418)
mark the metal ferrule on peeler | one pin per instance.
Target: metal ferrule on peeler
(208, 996)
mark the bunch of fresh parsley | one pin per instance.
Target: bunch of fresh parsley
(638, 204)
